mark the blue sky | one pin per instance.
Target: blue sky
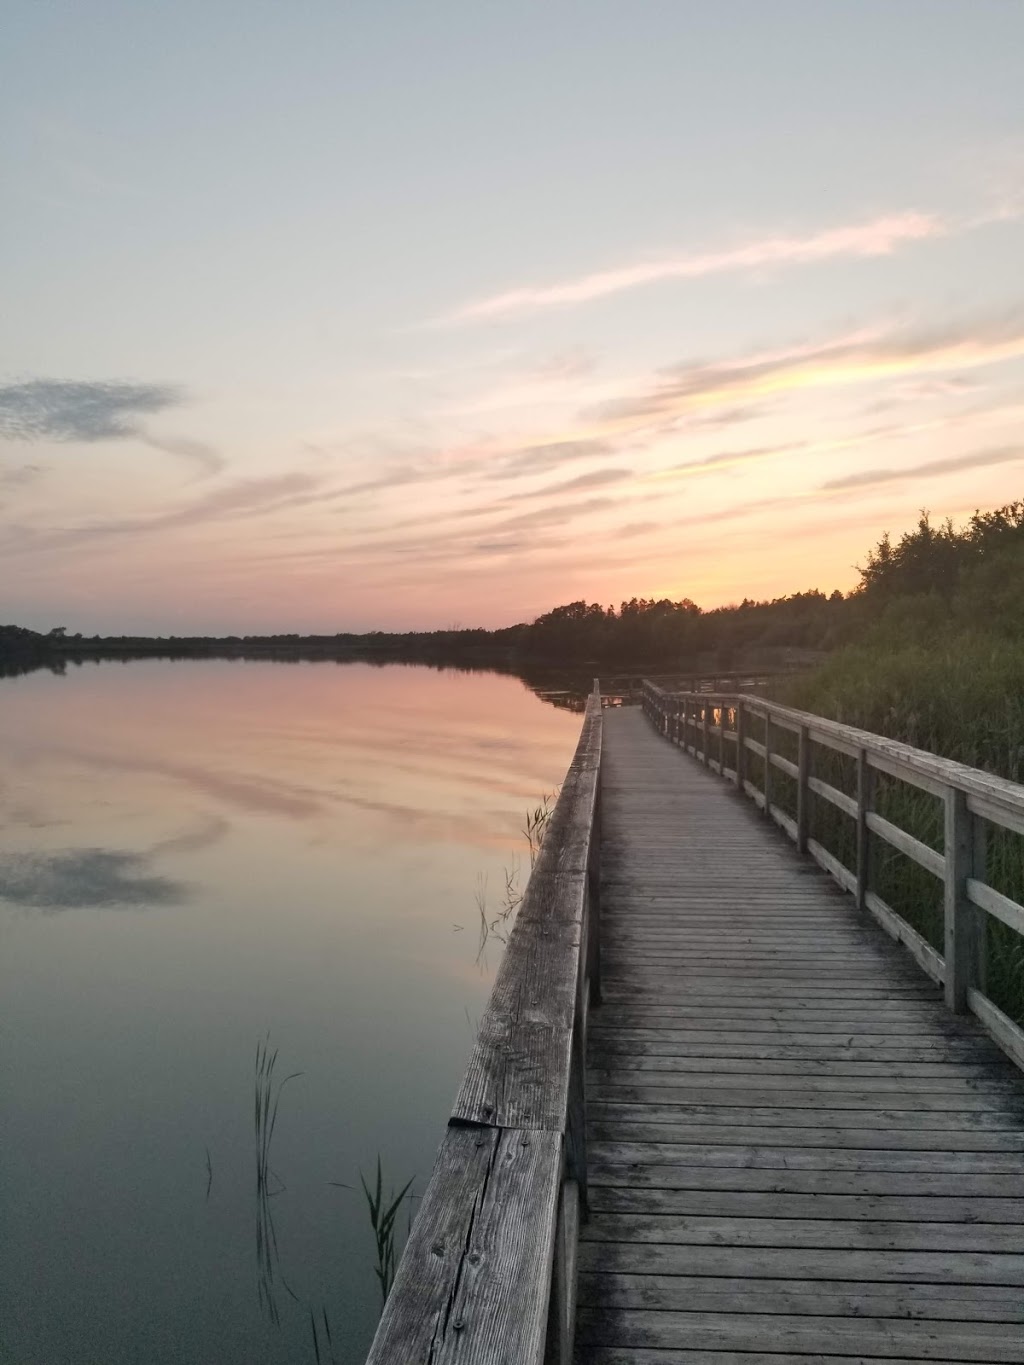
(333, 316)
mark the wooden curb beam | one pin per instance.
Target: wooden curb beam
(489, 1271)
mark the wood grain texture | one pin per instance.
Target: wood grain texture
(474, 1279)
(518, 1073)
(796, 1152)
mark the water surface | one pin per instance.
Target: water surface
(192, 854)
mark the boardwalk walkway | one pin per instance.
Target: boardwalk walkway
(795, 1152)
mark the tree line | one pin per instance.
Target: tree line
(968, 577)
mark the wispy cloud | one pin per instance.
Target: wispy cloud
(21, 476)
(879, 237)
(979, 459)
(690, 388)
(203, 456)
(596, 478)
(543, 455)
(241, 498)
(87, 411)
(67, 410)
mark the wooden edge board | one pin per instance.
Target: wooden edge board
(474, 1280)
(831, 864)
(898, 928)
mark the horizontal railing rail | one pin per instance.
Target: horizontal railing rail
(706, 725)
(737, 680)
(488, 1272)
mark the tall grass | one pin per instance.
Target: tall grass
(498, 925)
(384, 1210)
(327, 1358)
(267, 1102)
(962, 699)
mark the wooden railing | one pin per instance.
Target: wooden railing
(709, 725)
(629, 686)
(488, 1273)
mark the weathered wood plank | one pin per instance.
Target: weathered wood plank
(750, 1004)
(935, 1041)
(518, 1073)
(661, 1089)
(719, 1070)
(775, 1332)
(656, 1106)
(1008, 1035)
(767, 991)
(925, 955)
(634, 1355)
(659, 1149)
(611, 1164)
(817, 1298)
(777, 1025)
(884, 1015)
(668, 1043)
(799, 1209)
(802, 1263)
(786, 1087)
(995, 903)
(473, 1282)
(626, 1121)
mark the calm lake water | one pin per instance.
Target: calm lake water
(192, 855)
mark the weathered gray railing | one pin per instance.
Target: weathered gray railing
(972, 800)
(630, 685)
(488, 1274)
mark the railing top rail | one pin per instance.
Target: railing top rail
(945, 772)
(474, 1280)
(518, 1074)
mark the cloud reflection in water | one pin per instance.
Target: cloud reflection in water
(77, 878)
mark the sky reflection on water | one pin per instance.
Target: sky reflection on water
(193, 854)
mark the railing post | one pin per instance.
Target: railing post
(562, 1311)
(767, 763)
(979, 865)
(959, 913)
(705, 739)
(864, 784)
(803, 791)
(741, 750)
(721, 739)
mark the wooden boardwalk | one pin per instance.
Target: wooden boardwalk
(795, 1152)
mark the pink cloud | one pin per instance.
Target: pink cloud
(876, 238)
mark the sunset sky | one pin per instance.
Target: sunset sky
(332, 316)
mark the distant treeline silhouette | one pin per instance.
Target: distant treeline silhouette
(969, 577)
